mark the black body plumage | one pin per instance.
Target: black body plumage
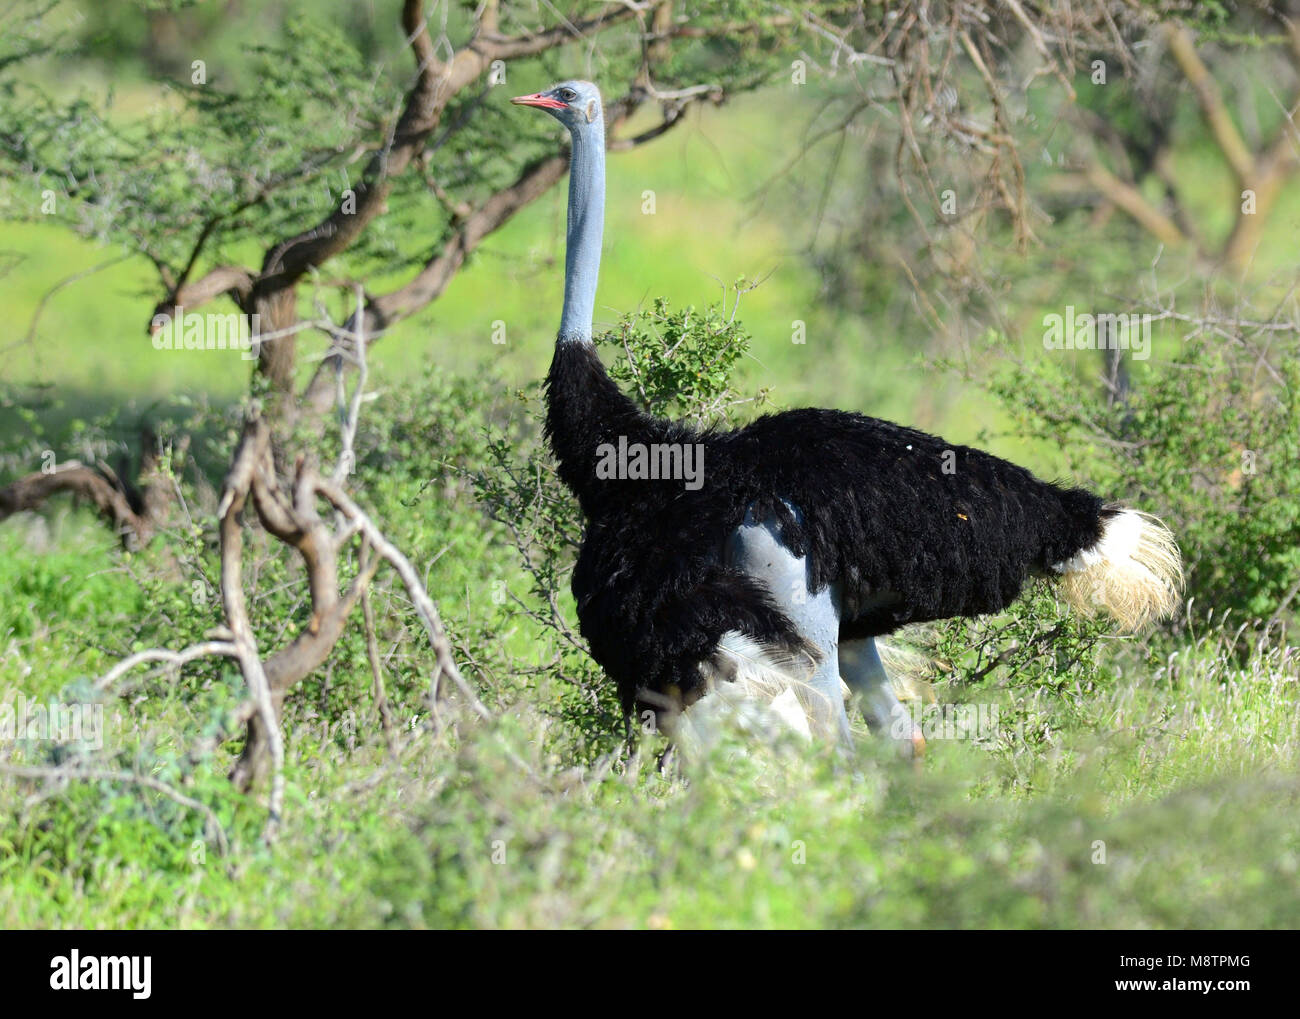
(910, 527)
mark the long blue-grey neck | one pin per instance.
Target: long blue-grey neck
(586, 225)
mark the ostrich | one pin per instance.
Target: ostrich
(806, 535)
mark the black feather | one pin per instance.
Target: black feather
(905, 540)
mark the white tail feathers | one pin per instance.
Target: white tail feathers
(1134, 573)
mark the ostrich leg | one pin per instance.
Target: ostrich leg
(865, 675)
(756, 548)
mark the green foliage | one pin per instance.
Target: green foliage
(1038, 662)
(248, 137)
(679, 364)
(1211, 442)
(54, 590)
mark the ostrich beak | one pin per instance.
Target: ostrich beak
(537, 99)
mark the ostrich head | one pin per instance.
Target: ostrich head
(575, 104)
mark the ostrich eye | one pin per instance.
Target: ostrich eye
(568, 95)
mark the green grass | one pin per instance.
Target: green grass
(1185, 791)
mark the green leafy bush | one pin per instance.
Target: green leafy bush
(1210, 442)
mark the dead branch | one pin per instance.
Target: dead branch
(291, 516)
(136, 512)
(1234, 149)
(110, 498)
(252, 455)
(377, 675)
(172, 658)
(424, 606)
(1129, 199)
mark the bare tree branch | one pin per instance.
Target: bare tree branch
(1234, 149)
(174, 658)
(110, 500)
(1130, 200)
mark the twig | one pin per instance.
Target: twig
(189, 654)
(424, 606)
(377, 672)
(351, 413)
